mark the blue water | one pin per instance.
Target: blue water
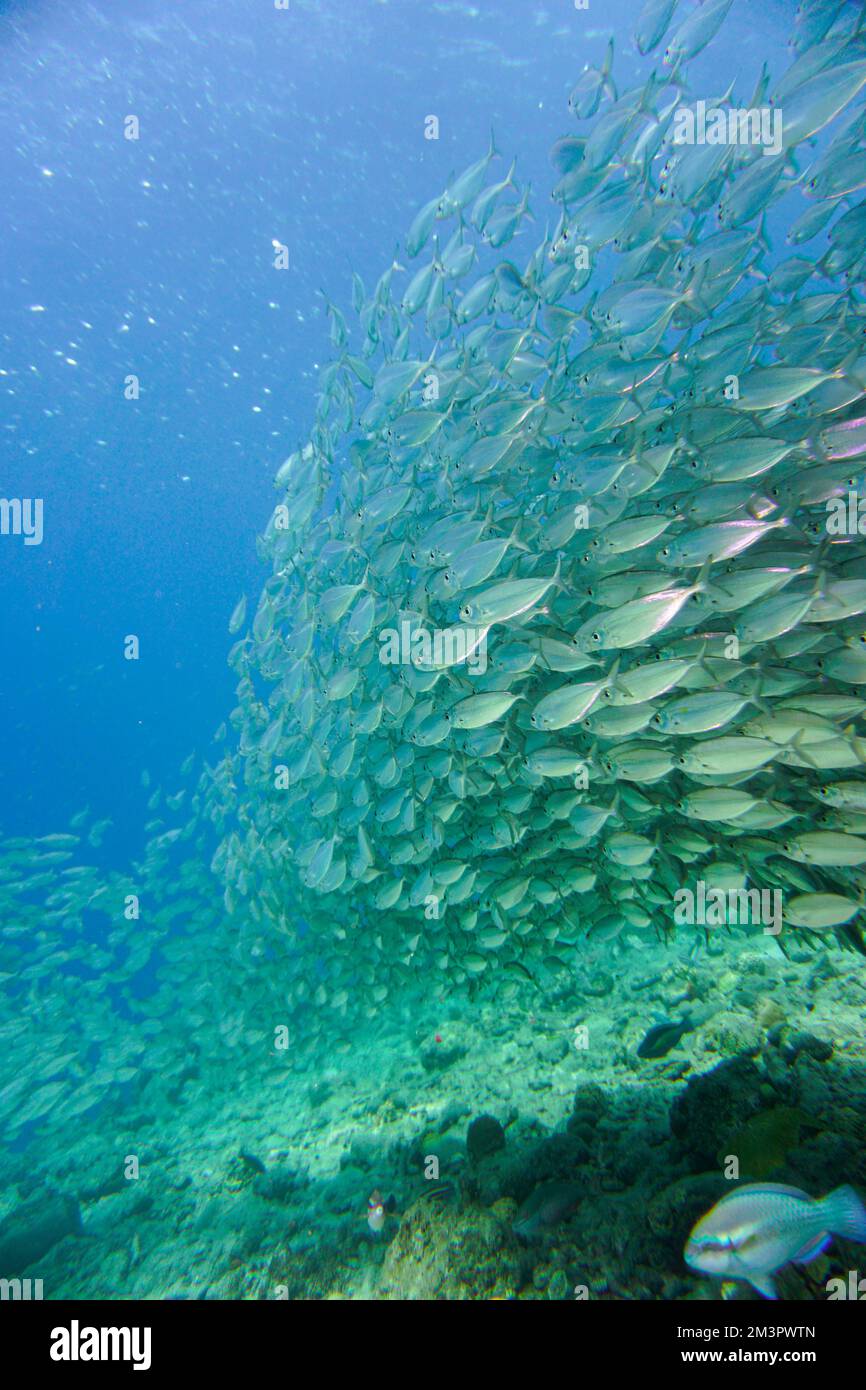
(154, 257)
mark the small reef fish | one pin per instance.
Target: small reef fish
(379, 1209)
(664, 1036)
(547, 1205)
(759, 1228)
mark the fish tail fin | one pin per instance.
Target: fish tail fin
(755, 697)
(607, 65)
(815, 448)
(797, 743)
(845, 1214)
(844, 368)
(695, 288)
(817, 562)
(676, 77)
(514, 538)
(704, 575)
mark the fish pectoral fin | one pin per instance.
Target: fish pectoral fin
(764, 1284)
(813, 1248)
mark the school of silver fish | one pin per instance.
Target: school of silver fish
(607, 470)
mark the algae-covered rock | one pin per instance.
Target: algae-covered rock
(438, 1054)
(485, 1136)
(769, 1012)
(505, 1208)
(675, 1210)
(447, 1149)
(598, 984)
(806, 1043)
(451, 1254)
(320, 1091)
(278, 1183)
(763, 1143)
(713, 1106)
(590, 1102)
(33, 1228)
(731, 1034)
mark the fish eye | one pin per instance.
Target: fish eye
(596, 637)
(657, 720)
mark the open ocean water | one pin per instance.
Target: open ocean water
(432, 579)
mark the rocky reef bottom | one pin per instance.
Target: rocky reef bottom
(503, 1150)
